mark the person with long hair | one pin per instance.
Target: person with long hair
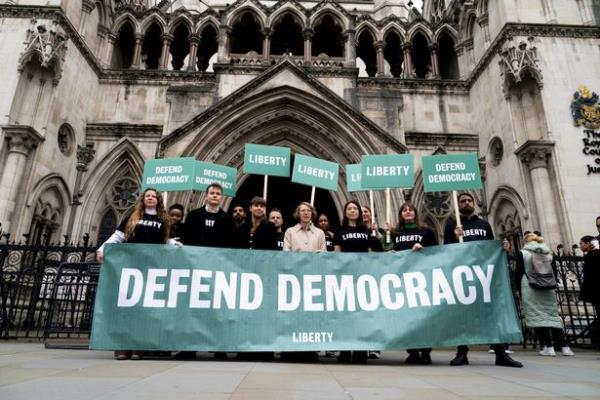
(147, 223)
(352, 236)
(412, 234)
(257, 232)
(540, 306)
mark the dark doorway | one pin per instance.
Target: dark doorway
(286, 195)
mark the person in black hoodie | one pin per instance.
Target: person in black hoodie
(411, 234)
(209, 225)
(472, 229)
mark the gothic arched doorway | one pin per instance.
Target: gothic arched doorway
(286, 195)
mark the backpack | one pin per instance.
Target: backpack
(541, 275)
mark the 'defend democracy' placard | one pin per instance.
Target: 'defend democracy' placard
(267, 160)
(154, 297)
(448, 172)
(169, 174)
(207, 173)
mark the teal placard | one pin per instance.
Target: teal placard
(387, 171)
(267, 160)
(207, 173)
(315, 172)
(353, 178)
(158, 297)
(169, 174)
(448, 172)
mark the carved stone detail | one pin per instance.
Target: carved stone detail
(535, 153)
(85, 155)
(46, 45)
(21, 139)
(515, 60)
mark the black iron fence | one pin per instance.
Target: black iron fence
(47, 293)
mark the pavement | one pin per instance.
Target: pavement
(29, 371)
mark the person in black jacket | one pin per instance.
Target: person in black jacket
(472, 229)
(209, 225)
(411, 234)
(176, 213)
(276, 219)
(591, 280)
(257, 232)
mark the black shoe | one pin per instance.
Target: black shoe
(220, 355)
(413, 359)
(460, 359)
(185, 355)
(504, 360)
(426, 359)
(345, 356)
(360, 357)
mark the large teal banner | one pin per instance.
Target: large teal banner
(153, 297)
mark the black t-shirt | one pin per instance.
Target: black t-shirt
(176, 231)
(280, 236)
(474, 228)
(329, 241)
(353, 239)
(204, 228)
(149, 229)
(406, 238)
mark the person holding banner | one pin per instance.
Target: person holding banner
(276, 219)
(411, 234)
(353, 236)
(257, 232)
(473, 228)
(209, 225)
(147, 223)
(323, 221)
(304, 236)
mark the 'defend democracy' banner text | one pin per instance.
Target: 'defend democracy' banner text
(153, 297)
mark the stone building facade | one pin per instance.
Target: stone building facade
(93, 88)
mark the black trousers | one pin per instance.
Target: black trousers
(558, 337)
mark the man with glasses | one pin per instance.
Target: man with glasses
(473, 228)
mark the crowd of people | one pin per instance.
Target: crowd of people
(255, 228)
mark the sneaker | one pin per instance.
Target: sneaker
(548, 352)
(330, 354)
(505, 360)
(491, 350)
(460, 359)
(509, 350)
(374, 355)
(136, 355)
(122, 355)
(566, 351)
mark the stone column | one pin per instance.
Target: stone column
(109, 49)
(137, 50)
(435, 68)
(194, 41)
(85, 155)
(20, 141)
(266, 45)
(307, 34)
(408, 68)
(536, 155)
(223, 45)
(350, 35)
(379, 46)
(167, 38)
(86, 8)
